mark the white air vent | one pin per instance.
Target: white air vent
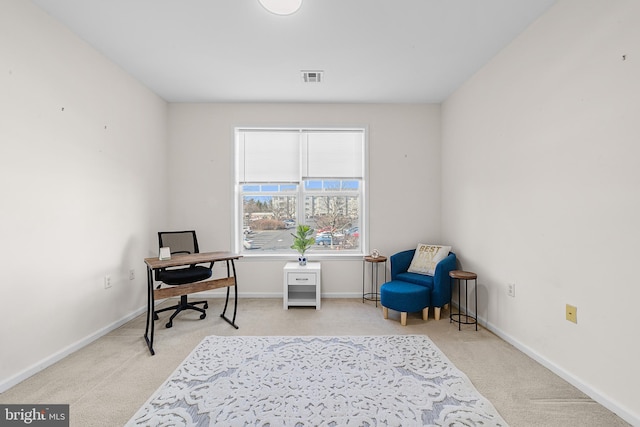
(312, 76)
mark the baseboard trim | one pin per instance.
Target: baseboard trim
(56, 357)
(214, 294)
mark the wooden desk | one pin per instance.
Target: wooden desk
(205, 285)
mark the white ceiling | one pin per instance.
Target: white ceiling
(235, 51)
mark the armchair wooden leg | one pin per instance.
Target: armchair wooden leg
(385, 312)
(425, 313)
(436, 313)
(403, 318)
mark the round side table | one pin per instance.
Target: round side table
(463, 317)
(374, 295)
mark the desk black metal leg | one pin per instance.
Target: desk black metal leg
(235, 303)
(150, 307)
(227, 300)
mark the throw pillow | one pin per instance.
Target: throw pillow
(427, 257)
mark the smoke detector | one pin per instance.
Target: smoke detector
(312, 76)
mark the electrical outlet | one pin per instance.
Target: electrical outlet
(132, 274)
(572, 313)
(511, 289)
(107, 281)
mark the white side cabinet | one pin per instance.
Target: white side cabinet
(302, 285)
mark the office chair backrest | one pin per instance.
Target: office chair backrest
(179, 242)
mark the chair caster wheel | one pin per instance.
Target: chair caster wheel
(155, 316)
(168, 325)
(206, 305)
(202, 316)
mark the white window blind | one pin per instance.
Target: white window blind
(333, 154)
(269, 156)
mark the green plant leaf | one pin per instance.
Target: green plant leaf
(303, 239)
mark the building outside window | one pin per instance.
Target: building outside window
(285, 177)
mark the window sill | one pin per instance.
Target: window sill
(310, 256)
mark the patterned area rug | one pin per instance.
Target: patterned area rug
(399, 380)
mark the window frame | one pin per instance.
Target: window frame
(301, 194)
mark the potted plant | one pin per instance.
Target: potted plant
(302, 240)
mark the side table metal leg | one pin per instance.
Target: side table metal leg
(476, 308)
(452, 283)
(374, 283)
(459, 303)
(466, 301)
(363, 271)
(385, 271)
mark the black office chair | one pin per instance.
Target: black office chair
(182, 242)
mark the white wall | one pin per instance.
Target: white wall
(541, 188)
(404, 155)
(82, 166)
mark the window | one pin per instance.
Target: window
(285, 177)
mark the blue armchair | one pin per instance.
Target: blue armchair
(439, 284)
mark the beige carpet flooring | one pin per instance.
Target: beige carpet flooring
(108, 380)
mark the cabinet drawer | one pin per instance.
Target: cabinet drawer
(301, 279)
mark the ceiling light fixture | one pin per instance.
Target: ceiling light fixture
(281, 7)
